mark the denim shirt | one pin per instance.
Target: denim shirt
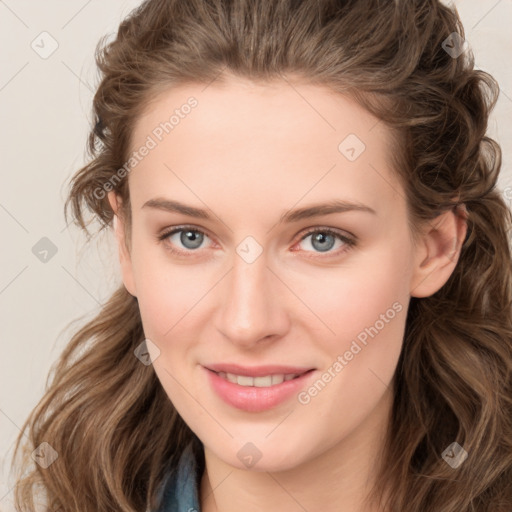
(180, 491)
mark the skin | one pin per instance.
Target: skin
(249, 152)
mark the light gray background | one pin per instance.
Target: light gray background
(46, 111)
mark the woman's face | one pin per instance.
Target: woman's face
(254, 284)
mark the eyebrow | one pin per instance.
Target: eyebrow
(333, 206)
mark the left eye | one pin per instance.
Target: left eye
(323, 240)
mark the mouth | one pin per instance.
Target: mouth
(257, 389)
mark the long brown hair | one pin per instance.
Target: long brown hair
(106, 415)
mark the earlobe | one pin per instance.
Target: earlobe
(438, 251)
(123, 251)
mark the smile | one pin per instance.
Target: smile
(257, 393)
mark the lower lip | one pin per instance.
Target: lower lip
(254, 399)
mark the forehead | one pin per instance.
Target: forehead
(244, 137)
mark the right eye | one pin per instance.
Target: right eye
(189, 237)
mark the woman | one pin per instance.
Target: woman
(315, 308)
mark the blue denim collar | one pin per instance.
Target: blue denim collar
(180, 492)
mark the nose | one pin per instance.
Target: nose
(252, 308)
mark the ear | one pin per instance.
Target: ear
(123, 251)
(438, 251)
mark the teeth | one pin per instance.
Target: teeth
(243, 380)
(259, 382)
(277, 379)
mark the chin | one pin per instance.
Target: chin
(265, 458)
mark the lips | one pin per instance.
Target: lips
(251, 390)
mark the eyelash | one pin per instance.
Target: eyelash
(348, 241)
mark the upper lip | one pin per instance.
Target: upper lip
(258, 371)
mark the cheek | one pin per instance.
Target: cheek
(167, 298)
(169, 301)
(368, 290)
(167, 292)
(365, 308)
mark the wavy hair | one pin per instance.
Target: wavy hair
(115, 430)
